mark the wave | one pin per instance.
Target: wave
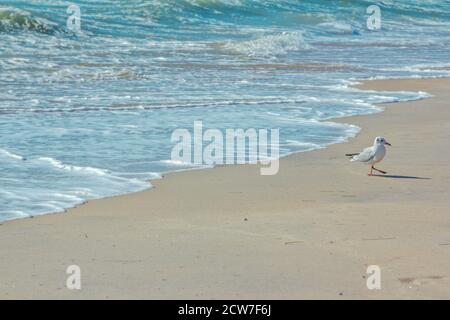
(13, 19)
(11, 155)
(194, 104)
(267, 100)
(267, 46)
(61, 185)
(168, 17)
(83, 170)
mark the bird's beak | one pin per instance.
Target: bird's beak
(388, 143)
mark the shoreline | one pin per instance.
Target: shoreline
(352, 83)
(190, 221)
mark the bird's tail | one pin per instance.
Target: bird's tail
(351, 155)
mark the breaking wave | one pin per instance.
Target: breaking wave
(14, 19)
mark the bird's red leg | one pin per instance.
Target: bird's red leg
(383, 172)
(370, 174)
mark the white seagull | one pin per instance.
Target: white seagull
(371, 155)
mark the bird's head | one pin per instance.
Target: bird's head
(380, 141)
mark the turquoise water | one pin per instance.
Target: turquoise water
(90, 115)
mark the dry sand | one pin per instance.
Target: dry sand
(308, 232)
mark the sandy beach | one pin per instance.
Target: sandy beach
(308, 232)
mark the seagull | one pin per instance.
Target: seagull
(371, 155)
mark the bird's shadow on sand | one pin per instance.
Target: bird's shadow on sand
(390, 176)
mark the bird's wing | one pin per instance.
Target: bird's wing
(366, 155)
